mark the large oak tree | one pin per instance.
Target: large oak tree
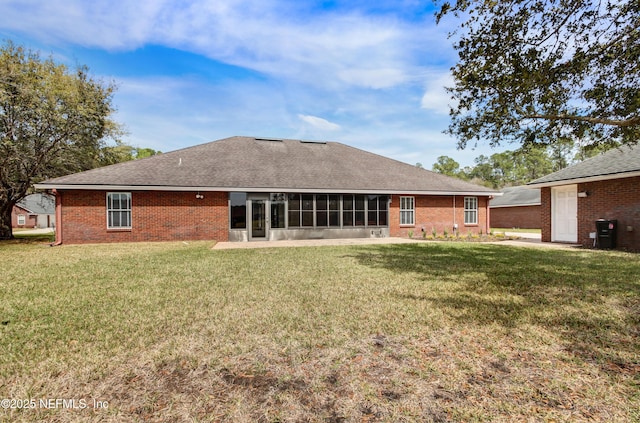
(542, 70)
(53, 121)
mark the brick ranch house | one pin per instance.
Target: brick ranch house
(250, 189)
(518, 207)
(603, 187)
(34, 211)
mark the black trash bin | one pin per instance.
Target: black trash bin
(606, 233)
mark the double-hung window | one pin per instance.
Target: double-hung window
(22, 220)
(470, 210)
(407, 211)
(118, 210)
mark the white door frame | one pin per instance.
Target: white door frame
(564, 213)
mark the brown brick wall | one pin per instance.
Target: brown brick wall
(171, 216)
(527, 217)
(156, 216)
(436, 212)
(615, 199)
(30, 220)
(545, 214)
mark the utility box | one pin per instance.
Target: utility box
(606, 231)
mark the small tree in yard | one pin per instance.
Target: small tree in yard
(52, 122)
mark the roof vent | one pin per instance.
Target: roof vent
(269, 139)
(312, 142)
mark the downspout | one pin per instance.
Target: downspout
(455, 225)
(58, 196)
(488, 222)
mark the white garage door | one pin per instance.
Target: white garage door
(564, 213)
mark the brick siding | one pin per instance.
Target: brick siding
(613, 199)
(30, 220)
(156, 216)
(526, 217)
(171, 216)
(545, 214)
(436, 212)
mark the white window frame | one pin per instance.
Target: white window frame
(407, 211)
(470, 210)
(122, 210)
(22, 219)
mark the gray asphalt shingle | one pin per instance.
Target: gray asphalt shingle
(250, 163)
(517, 196)
(618, 161)
(38, 203)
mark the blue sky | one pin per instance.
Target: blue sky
(368, 74)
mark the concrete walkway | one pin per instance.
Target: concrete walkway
(531, 241)
(526, 235)
(312, 243)
(526, 240)
(43, 231)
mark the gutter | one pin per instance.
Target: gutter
(534, 185)
(46, 186)
(58, 240)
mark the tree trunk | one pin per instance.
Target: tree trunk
(5, 220)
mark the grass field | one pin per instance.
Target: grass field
(27, 235)
(411, 332)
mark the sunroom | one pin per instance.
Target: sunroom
(277, 216)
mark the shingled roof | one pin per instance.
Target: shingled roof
(517, 196)
(265, 165)
(38, 203)
(621, 162)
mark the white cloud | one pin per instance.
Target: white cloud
(171, 113)
(435, 97)
(105, 24)
(373, 78)
(269, 36)
(380, 76)
(319, 123)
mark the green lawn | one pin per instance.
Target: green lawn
(30, 238)
(408, 332)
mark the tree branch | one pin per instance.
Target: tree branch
(595, 120)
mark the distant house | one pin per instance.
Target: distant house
(518, 207)
(604, 187)
(252, 189)
(34, 211)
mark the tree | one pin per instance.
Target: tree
(561, 153)
(52, 122)
(532, 162)
(511, 168)
(142, 153)
(112, 154)
(447, 166)
(483, 172)
(542, 70)
(121, 152)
